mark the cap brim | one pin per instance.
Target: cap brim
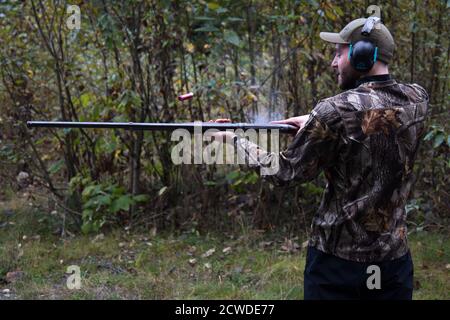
(332, 37)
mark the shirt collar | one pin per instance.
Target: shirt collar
(375, 78)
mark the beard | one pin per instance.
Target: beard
(347, 78)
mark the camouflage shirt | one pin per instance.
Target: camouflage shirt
(365, 140)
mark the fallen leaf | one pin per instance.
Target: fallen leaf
(209, 253)
(192, 262)
(227, 250)
(192, 249)
(14, 276)
(265, 244)
(98, 238)
(290, 246)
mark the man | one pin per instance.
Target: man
(365, 140)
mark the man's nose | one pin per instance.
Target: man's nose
(334, 63)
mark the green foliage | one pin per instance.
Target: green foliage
(102, 201)
(131, 59)
(438, 136)
(232, 37)
(7, 153)
(240, 181)
(55, 167)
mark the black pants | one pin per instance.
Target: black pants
(328, 277)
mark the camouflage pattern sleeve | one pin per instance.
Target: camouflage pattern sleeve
(313, 148)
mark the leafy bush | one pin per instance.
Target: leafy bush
(103, 201)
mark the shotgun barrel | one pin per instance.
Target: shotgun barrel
(155, 126)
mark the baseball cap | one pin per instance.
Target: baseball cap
(351, 33)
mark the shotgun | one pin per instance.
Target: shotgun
(155, 126)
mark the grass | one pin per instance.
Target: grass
(124, 265)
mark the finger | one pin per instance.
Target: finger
(287, 121)
(223, 120)
(278, 121)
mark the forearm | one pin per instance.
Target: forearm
(311, 149)
(274, 167)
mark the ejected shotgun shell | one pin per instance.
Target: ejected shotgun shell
(186, 96)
